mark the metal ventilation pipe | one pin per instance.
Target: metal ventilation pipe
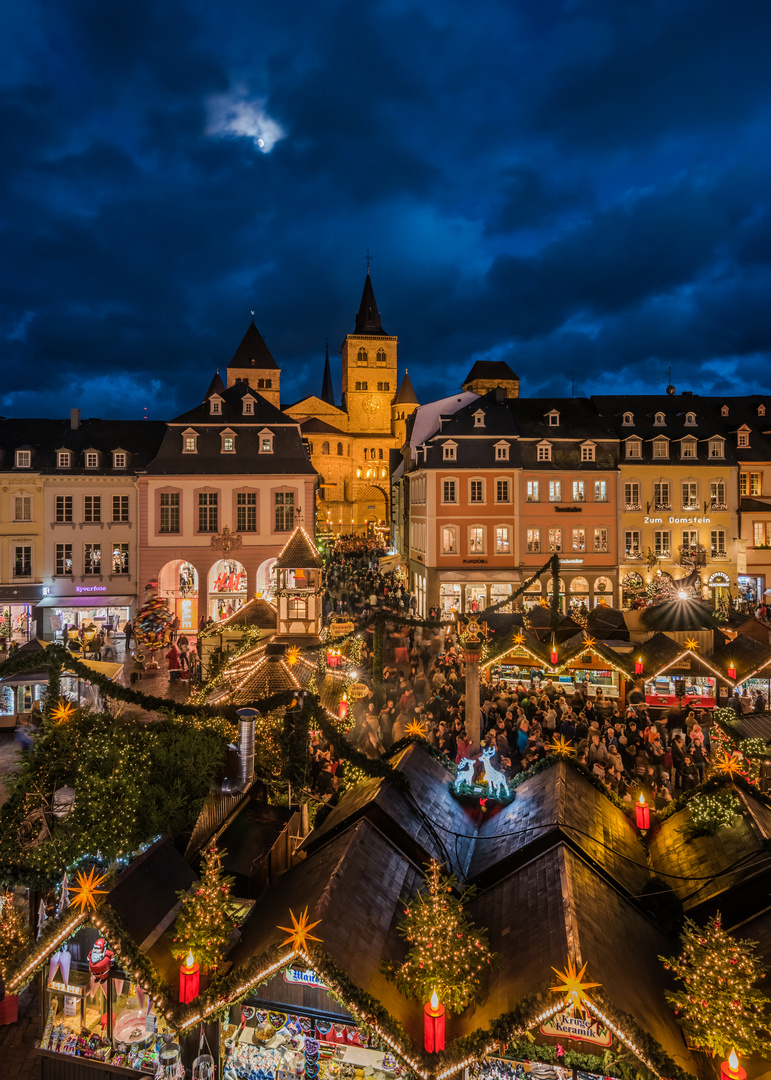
(245, 754)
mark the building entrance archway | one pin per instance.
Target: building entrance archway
(178, 585)
(227, 588)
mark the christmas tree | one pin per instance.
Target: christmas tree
(205, 922)
(13, 930)
(449, 954)
(718, 1007)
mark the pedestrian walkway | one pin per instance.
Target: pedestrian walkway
(17, 1041)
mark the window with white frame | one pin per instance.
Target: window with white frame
(92, 508)
(717, 542)
(588, 452)
(533, 491)
(63, 508)
(22, 508)
(92, 459)
(578, 539)
(216, 406)
(120, 508)
(555, 539)
(23, 459)
(449, 491)
(689, 540)
(449, 540)
(92, 559)
(63, 459)
(555, 491)
(479, 418)
(600, 491)
(749, 484)
(22, 561)
(533, 541)
(246, 511)
(169, 512)
(761, 531)
(266, 441)
(449, 451)
(660, 448)
(190, 443)
(600, 539)
(579, 494)
(716, 448)
(688, 448)
(63, 562)
(502, 491)
(717, 495)
(118, 459)
(476, 539)
(120, 558)
(743, 437)
(632, 495)
(661, 543)
(501, 451)
(632, 543)
(661, 495)
(502, 540)
(283, 511)
(248, 406)
(208, 511)
(476, 491)
(690, 495)
(633, 448)
(544, 452)
(228, 444)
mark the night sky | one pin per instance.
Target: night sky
(580, 188)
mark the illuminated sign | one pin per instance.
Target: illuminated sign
(90, 588)
(571, 560)
(230, 583)
(66, 988)
(564, 1025)
(186, 608)
(677, 520)
(304, 977)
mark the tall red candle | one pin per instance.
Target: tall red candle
(643, 812)
(433, 1025)
(189, 977)
(342, 708)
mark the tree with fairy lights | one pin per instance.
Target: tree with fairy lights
(13, 930)
(204, 924)
(719, 1006)
(448, 953)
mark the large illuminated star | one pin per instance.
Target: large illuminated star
(87, 888)
(299, 932)
(543, 603)
(691, 643)
(415, 730)
(561, 746)
(589, 642)
(62, 712)
(574, 986)
(519, 639)
(729, 766)
(293, 655)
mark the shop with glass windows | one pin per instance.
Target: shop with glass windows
(178, 586)
(719, 585)
(17, 605)
(227, 588)
(752, 588)
(89, 610)
(685, 688)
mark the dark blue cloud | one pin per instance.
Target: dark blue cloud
(576, 187)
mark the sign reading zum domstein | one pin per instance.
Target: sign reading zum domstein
(563, 1025)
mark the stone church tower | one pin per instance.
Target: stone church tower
(369, 369)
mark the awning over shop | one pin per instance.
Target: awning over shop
(389, 562)
(20, 594)
(91, 600)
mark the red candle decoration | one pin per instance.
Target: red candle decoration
(731, 1070)
(732, 670)
(638, 666)
(553, 656)
(433, 1025)
(189, 978)
(643, 812)
(342, 708)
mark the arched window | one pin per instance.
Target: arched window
(260, 384)
(381, 356)
(372, 453)
(339, 449)
(361, 357)
(325, 448)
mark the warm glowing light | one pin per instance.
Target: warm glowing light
(682, 595)
(299, 931)
(589, 642)
(642, 799)
(435, 1006)
(87, 889)
(691, 643)
(729, 766)
(189, 960)
(733, 1061)
(574, 986)
(415, 730)
(62, 712)
(561, 746)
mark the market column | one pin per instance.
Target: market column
(471, 636)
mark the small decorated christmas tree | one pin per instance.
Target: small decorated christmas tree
(448, 953)
(205, 922)
(14, 932)
(718, 1006)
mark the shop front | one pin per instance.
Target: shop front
(683, 684)
(178, 586)
(752, 588)
(227, 588)
(719, 586)
(89, 607)
(593, 680)
(17, 604)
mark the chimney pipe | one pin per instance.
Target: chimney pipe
(245, 754)
(74, 419)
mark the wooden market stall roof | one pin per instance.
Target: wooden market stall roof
(257, 612)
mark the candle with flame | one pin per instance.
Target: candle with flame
(342, 708)
(189, 978)
(643, 813)
(731, 1070)
(433, 1025)
(732, 670)
(638, 666)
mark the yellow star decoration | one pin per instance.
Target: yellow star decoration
(589, 642)
(561, 746)
(293, 655)
(543, 603)
(574, 986)
(299, 932)
(729, 766)
(691, 643)
(415, 730)
(519, 639)
(62, 712)
(86, 889)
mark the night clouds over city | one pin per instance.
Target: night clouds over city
(579, 188)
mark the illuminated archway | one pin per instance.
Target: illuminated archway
(227, 588)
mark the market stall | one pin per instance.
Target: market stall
(675, 688)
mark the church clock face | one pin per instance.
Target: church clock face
(372, 403)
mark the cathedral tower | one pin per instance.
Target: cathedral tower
(369, 369)
(253, 364)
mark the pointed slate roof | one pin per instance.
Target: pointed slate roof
(299, 551)
(368, 317)
(216, 386)
(406, 394)
(253, 352)
(327, 389)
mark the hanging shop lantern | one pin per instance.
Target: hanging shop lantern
(189, 980)
(643, 813)
(433, 1025)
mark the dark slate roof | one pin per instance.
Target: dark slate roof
(216, 386)
(607, 624)
(299, 551)
(368, 316)
(490, 369)
(139, 439)
(747, 653)
(754, 506)
(256, 612)
(656, 653)
(679, 615)
(315, 426)
(232, 409)
(327, 387)
(406, 394)
(253, 352)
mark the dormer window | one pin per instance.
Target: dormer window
(190, 441)
(743, 437)
(659, 420)
(266, 441)
(716, 448)
(479, 418)
(761, 410)
(628, 420)
(248, 406)
(215, 405)
(588, 451)
(119, 459)
(660, 448)
(688, 448)
(633, 448)
(228, 438)
(63, 459)
(544, 450)
(724, 411)
(502, 451)
(92, 459)
(449, 451)
(23, 459)
(554, 418)
(690, 419)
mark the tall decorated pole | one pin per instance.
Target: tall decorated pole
(555, 591)
(471, 635)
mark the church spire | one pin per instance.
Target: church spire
(327, 389)
(368, 317)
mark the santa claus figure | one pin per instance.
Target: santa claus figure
(100, 959)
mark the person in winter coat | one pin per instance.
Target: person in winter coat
(172, 658)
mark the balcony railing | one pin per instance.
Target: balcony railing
(719, 556)
(634, 553)
(662, 505)
(633, 506)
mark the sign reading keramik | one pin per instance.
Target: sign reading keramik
(565, 1025)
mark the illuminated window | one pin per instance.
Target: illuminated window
(502, 540)
(533, 488)
(533, 541)
(555, 539)
(476, 539)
